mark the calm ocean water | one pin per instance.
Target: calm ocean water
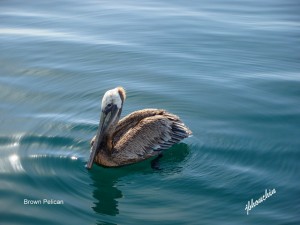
(229, 69)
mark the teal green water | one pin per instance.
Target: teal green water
(229, 69)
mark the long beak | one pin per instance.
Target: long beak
(105, 121)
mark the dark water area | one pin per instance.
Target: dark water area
(229, 69)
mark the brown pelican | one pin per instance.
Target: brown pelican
(138, 136)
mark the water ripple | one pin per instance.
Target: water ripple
(59, 36)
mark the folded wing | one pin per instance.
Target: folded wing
(148, 136)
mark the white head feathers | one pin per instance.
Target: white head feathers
(114, 96)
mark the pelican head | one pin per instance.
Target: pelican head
(111, 108)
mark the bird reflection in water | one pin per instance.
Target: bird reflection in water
(106, 192)
(107, 180)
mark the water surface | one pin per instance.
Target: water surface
(230, 70)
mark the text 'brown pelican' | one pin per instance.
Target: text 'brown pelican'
(138, 136)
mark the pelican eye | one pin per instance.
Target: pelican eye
(108, 108)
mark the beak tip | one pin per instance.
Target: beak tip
(88, 167)
(89, 164)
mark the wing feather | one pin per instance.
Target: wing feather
(148, 137)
